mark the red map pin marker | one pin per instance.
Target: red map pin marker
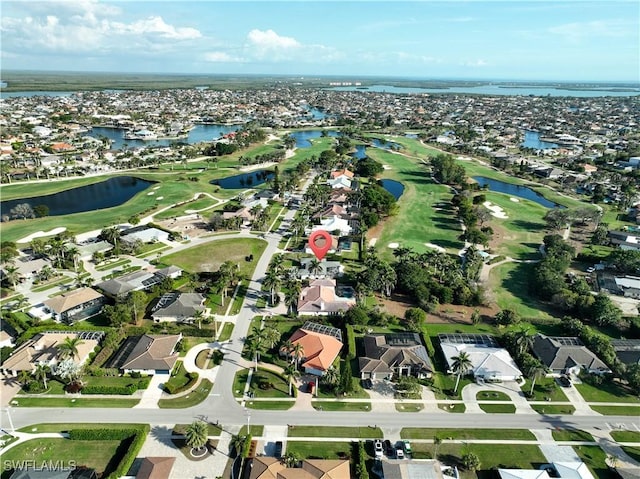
(320, 243)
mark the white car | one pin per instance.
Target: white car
(377, 447)
(399, 453)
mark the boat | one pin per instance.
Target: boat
(141, 135)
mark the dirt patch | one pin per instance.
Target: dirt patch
(499, 237)
(190, 227)
(375, 232)
(396, 304)
(455, 314)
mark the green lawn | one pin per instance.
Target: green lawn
(454, 408)
(492, 396)
(409, 407)
(203, 359)
(617, 410)
(209, 257)
(212, 429)
(322, 450)
(64, 452)
(271, 405)
(79, 402)
(66, 426)
(571, 435)
(498, 408)
(417, 222)
(193, 398)
(608, 391)
(633, 452)
(594, 458)
(335, 431)
(509, 288)
(225, 334)
(553, 409)
(625, 436)
(341, 406)
(546, 388)
(464, 434)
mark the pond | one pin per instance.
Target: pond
(516, 190)
(302, 137)
(197, 134)
(105, 194)
(392, 186)
(243, 180)
(360, 153)
(384, 144)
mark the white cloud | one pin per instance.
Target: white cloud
(576, 31)
(475, 63)
(271, 40)
(221, 57)
(83, 26)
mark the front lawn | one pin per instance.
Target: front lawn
(546, 388)
(492, 396)
(322, 450)
(630, 410)
(594, 458)
(608, 391)
(99, 455)
(409, 407)
(75, 402)
(625, 436)
(193, 398)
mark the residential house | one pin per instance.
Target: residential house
(628, 286)
(137, 281)
(396, 354)
(566, 355)
(147, 354)
(334, 246)
(155, 468)
(344, 172)
(564, 470)
(178, 307)
(264, 467)
(489, 361)
(627, 350)
(417, 469)
(339, 196)
(333, 224)
(320, 346)
(75, 305)
(341, 181)
(624, 240)
(43, 349)
(53, 473)
(143, 234)
(327, 269)
(320, 299)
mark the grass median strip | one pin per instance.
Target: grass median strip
(75, 402)
(271, 405)
(571, 435)
(341, 406)
(553, 409)
(464, 434)
(498, 408)
(625, 436)
(368, 432)
(617, 410)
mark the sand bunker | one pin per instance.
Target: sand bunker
(151, 193)
(393, 245)
(386, 167)
(436, 247)
(40, 234)
(515, 200)
(160, 198)
(495, 210)
(372, 241)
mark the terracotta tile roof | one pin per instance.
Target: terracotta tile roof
(272, 468)
(345, 172)
(155, 468)
(319, 350)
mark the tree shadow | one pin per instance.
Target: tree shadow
(162, 434)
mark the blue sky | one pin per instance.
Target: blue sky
(539, 40)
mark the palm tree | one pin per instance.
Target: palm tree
(12, 274)
(536, 373)
(315, 267)
(255, 345)
(292, 295)
(524, 340)
(272, 282)
(271, 336)
(40, 373)
(75, 254)
(461, 364)
(69, 347)
(237, 443)
(291, 373)
(277, 263)
(297, 353)
(331, 377)
(111, 235)
(197, 316)
(196, 434)
(291, 459)
(437, 441)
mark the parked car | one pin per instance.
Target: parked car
(565, 381)
(399, 453)
(388, 447)
(278, 450)
(367, 383)
(407, 447)
(377, 447)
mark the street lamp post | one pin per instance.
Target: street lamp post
(248, 413)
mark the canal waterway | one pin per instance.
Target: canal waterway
(104, 194)
(243, 180)
(532, 140)
(302, 137)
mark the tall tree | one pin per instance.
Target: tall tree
(460, 366)
(291, 373)
(196, 434)
(69, 347)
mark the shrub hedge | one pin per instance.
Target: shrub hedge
(104, 389)
(351, 341)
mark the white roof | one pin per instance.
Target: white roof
(340, 182)
(628, 282)
(523, 474)
(573, 470)
(486, 361)
(332, 224)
